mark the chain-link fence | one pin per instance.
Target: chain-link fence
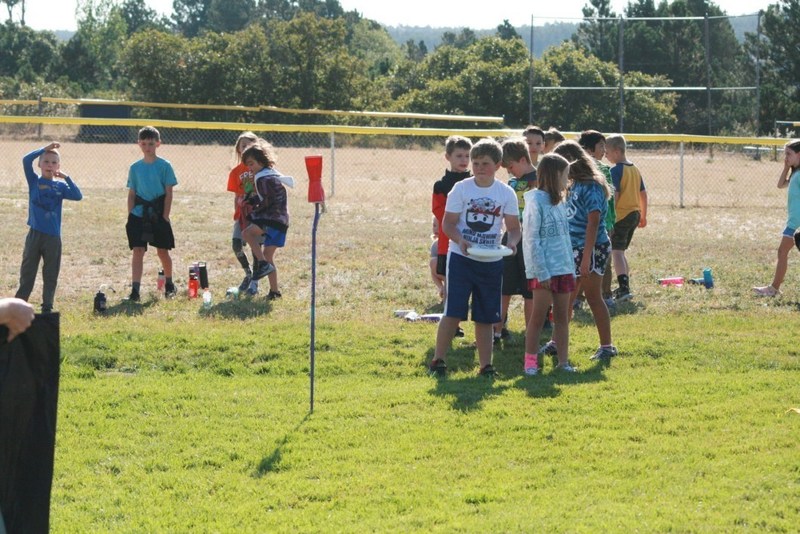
(384, 165)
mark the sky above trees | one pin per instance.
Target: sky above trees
(60, 15)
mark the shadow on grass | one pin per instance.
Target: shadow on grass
(129, 308)
(469, 392)
(238, 309)
(272, 462)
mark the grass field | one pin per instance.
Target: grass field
(173, 418)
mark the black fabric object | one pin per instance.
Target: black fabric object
(29, 372)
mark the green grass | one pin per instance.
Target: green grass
(173, 418)
(192, 428)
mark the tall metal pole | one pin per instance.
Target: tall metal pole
(708, 72)
(530, 81)
(758, 74)
(313, 300)
(621, 46)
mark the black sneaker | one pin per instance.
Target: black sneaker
(170, 291)
(459, 332)
(488, 371)
(263, 269)
(134, 297)
(437, 367)
(272, 295)
(622, 294)
(504, 333)
(248, 277)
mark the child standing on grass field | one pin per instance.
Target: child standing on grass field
(45, 198)
(517, 161)
(269, 220)
(150, 183)
(630, 198)
(587, 203)
(474, 215)
(789, 178)
(456, 152)
(594, 143)
(240, 183)
(548, 259)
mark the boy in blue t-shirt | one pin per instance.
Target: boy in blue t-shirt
(45, 197)
(150, 183)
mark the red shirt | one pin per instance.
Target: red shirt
(235, 185)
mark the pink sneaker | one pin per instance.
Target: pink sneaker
(531, 364)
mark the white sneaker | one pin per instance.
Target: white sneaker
(765, 291)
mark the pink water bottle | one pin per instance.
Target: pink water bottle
(162, 280)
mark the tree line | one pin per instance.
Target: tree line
(314, 54)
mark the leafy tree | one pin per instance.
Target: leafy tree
(570, 66)
(370, 42)
(780, 62)
(599, 36)
(28, 54)
(230, 15)
(138, 17)
(154, 63)
(415, 51)
(190, 16)
(317, 68)
(506, 31)
(462, 40)
(92, 53)
(487, 78)
(10, 5)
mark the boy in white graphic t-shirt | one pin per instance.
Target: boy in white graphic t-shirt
(475, 212)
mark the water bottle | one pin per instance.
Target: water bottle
(100, 302)
(676, 281)
(202, 274)
(162, 280)
(206, 299)
(708, 279)
(194, 286)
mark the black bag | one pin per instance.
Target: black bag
(29, 371)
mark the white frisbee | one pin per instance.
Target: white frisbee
(490, 252)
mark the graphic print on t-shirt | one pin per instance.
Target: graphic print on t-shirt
(482, 213)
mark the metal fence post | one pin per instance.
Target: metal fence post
(680, 183)
(333, 164)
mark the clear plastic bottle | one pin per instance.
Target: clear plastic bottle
(206, 299)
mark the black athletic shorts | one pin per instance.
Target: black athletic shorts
(159, 234)
(514, 280)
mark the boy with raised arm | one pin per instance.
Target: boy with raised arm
(46, 194)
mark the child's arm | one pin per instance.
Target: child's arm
(591, 238)
(70, 189)
(167, 203)
(643, 212)
(450, 228)
(786, 175)
(131, 199)
(513, 229)
(27, 165)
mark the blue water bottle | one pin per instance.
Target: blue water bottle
(708, 279)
